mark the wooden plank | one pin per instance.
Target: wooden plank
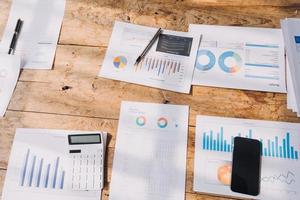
(235, 103)
(195, 196)
(2, 177)
(91, 96)
(4, 7)
(84, 97)
(91, 24)
(240, 3)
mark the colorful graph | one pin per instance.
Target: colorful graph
(205, 60)
(235, 63)
(140, 121)
(160, 66)
(35, 172)
(162, 122)
(120, 62)
(270, 148)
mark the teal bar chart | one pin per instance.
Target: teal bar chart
(273, 147)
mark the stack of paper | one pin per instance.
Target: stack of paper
(291, 33)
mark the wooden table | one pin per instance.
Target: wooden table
(93, 103)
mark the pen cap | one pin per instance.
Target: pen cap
(19, 25)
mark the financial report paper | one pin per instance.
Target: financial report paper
(168, 65)
(291, 32)
(150, 154)
(39, 34)
(240, 58)
(280, 173)
(41, 167)
(9, 74)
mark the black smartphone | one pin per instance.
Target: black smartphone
(246, 165)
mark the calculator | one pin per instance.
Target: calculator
(86, 153)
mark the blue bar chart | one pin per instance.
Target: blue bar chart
(273, 147)
(37, 173)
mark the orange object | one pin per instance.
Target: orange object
(224, 174)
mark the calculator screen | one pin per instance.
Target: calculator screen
(84, 139)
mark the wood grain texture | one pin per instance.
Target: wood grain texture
(2, 177)
(97, 17)
(93, 96)
(93, 103)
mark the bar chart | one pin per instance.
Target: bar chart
(36, 172)
(272, 147)
(159, 66)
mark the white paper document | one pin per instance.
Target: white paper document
(150, 154)
(291, 33)
(240, 58)
(9, 74)
(291, 98)
(55, 164)
(168, 65)
(40, 31)
(280, 156)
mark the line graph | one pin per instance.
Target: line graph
(287, 178)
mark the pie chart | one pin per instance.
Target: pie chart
(162, 122)
(230, 62)
(120, 62)
(140, 121)
(205, 60)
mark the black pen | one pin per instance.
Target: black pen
(15, 37)
(148, 47)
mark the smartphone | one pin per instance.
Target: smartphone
(246, 165)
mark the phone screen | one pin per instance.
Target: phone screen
(246, 166)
